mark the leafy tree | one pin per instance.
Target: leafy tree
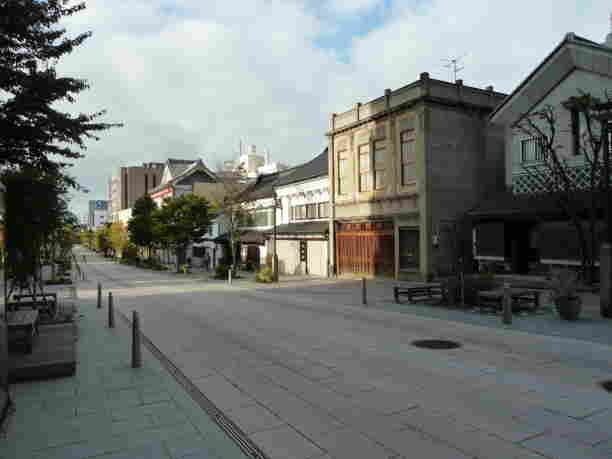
(35, 133)
(103, 242)
(118, 237)
(141, 225)
(181, 221)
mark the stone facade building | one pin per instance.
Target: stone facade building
(404, 166)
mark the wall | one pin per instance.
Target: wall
(576, 80)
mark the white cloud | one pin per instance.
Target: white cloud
(352, 6)
(190, 78)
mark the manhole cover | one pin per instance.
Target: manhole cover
(607, 385)
(436, 344)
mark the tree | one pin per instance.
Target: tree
(181, 221)
(561, 178)
(118, 237)
(228, 208)
(103, 242)
(35, 133)
(140, 226)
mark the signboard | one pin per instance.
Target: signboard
(303, 251)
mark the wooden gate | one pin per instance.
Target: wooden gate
(365, 248)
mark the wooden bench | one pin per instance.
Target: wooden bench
(23, 326)
(45, 302)
(428, 290)
(522, 299)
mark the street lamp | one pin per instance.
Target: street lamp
(274, 255)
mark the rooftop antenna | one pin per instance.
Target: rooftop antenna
(453, 65)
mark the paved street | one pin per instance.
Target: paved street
(307, 372)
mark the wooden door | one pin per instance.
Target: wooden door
(365, 248)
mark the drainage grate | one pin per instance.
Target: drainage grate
(436, 344)
(232, 430)
(607, 385)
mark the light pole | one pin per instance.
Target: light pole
(274, 255)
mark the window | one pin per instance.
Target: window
(262, 218)
(408, 249)
(146, 183)
(408, 152)
(576, 131)
(379, 164)
(532, 150)
(343, 171)
(365, 172)
(323, 210)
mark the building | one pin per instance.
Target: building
(98, 213)
(523, 228)
(303, 219)
(250, 165)
(402, 169)
(182, 176)
(131, 183)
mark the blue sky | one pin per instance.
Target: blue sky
(191, 78)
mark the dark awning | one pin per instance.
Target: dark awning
(246, 237)
(509, 206)
(302, 228)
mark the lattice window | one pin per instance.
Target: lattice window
(527, 183)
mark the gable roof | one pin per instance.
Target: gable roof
(571, 53)
(178, 166)
(316, 167)
(184, 169)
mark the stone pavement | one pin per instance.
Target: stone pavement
(109, 410)
(308, 376)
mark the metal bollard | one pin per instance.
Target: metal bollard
(507, 305)
(99, 295)
(111, 312)
(364, 293)
(136, 351)
(229, 274)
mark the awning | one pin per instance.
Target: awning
(246, 237)
(302, 228)
(509, 206)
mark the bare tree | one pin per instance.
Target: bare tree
(557, 176)
(226, 200)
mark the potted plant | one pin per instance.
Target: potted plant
(564, 294)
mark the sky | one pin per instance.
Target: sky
(191, 78)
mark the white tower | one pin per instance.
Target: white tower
(608, 41)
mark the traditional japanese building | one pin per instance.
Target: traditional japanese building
(524, 228)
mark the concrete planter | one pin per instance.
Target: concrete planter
(569, 307)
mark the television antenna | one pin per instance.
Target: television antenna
(454, 65)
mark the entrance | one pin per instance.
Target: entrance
(365, 248)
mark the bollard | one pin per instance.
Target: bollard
(507, 305)
(364, 293)
(111, 312)
(99, 295)
(136, 352)
(229, 274)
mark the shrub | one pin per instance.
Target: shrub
(221, 271)
(265, 275)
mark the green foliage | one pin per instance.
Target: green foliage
(103, 239)
(181, 221)
(34, 131)
(265, 275)
(221, 271)
(141, 226)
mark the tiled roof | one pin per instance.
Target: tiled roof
(178, 166)
(316, 167)
(186, 168)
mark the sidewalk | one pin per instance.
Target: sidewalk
(109, 410)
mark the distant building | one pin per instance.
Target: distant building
(251, 165)
(131, 183)
(98, 213)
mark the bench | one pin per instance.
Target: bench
(429, 290)
(522, 299)
(23, 326)
(45, 302)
